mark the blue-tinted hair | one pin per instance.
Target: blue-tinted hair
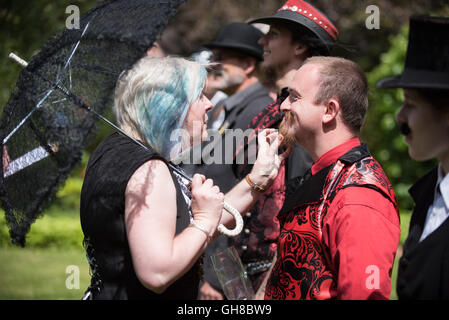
(153, 98)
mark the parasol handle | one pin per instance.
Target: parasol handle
(18, 59)
(221, 228)
(238, 222)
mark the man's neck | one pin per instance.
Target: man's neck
(285, 80)
(327, 142)
(285, 74)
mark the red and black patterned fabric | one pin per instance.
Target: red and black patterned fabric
(304, 268)
(258, 241)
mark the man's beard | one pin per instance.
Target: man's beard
(228, 81)
(287, 130)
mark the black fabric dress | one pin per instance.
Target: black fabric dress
(109, 169)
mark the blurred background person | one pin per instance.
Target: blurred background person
(235, 71)
(212, 91)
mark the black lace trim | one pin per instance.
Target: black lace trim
(95, 281)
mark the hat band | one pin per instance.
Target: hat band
(428, 79)
(318, 26)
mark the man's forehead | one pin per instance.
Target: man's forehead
(276, 26)
(310, 71)
(306, 76)
(413, 95)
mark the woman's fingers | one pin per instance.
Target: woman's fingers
(285, 154)
(197, 181)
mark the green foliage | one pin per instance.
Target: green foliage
(381, 131)
(55, 229)
(24, 27)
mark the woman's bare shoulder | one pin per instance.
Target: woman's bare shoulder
(151, 174)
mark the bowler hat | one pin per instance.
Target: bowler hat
(427, 61)
(307, 16)
(241, 37)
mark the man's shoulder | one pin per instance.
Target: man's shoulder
(356, 201)
(368, 173)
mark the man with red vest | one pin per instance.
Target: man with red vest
(340, 222)
(298, 30)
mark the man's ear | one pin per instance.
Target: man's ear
(249, 65)
(300, 49)
(332, 110)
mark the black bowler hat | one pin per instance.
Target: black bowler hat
(241, 37)
(427, 61)
(306, 16)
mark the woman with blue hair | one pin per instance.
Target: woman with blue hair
(144, 229)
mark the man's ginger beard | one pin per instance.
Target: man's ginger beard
(287, 130)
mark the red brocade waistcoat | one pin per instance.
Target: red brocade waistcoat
(304, 269)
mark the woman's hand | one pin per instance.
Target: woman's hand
(207, 203)
(266, 167)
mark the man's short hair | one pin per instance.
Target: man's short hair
(345, 81)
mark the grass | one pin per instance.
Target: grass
(39, 271)
(405, 222)
(31, 273)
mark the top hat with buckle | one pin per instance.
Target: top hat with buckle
(307, 16)
(241, 37)
(427, 61)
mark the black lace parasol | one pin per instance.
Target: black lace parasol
(46, 124)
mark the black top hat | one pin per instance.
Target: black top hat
(241, 37)
(307, 16)
(427, 61)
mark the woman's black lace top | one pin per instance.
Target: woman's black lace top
(109, 169)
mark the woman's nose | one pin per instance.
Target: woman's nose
(209, 104)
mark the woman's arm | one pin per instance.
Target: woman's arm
(159, 256)
(242, 197)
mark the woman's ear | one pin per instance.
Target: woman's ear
(332, 110)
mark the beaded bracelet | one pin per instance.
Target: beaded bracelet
(254, 186)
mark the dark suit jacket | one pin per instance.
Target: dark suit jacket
(424, 266)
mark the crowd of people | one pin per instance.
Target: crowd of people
(321, 220)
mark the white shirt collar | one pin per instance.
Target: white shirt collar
(443, 184)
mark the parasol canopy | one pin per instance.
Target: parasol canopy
(43, 130)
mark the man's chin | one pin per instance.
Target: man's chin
(289, 137)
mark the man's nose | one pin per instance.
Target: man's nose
(285, 106)
(263, 40)
(400, 115)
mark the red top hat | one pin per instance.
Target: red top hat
(303, 13)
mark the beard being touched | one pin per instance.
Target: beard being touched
(287, 130)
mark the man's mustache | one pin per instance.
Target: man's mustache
(405, 129)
